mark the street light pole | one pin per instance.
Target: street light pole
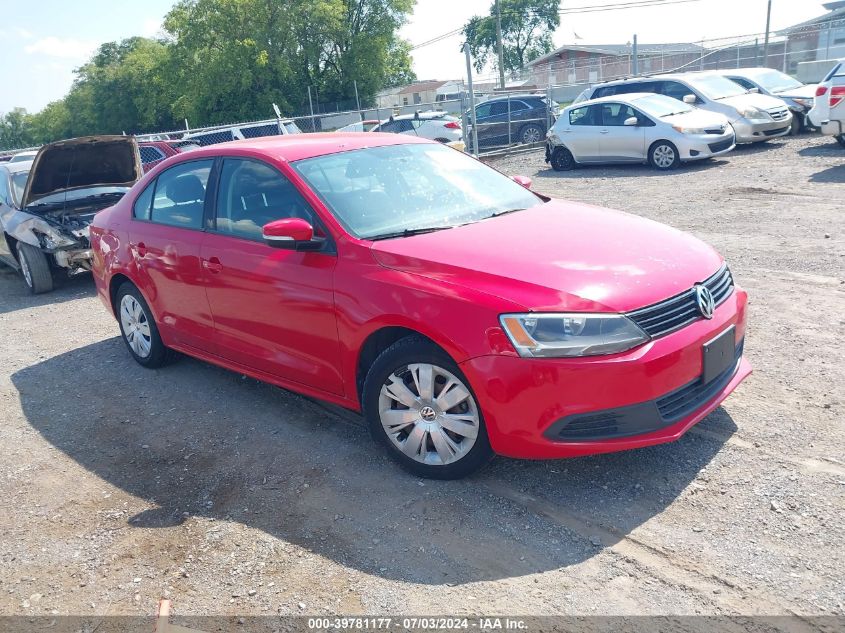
(471, 101)
(501, 48)
(766, 42)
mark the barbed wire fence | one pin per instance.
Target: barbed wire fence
(557, 82)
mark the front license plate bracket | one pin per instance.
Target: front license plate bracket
(718, 354)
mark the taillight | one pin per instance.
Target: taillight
(836, 96)
(453, 125)
(821, 91)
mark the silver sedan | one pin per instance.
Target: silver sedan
(637, 128)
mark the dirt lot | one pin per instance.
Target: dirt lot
(121, 485)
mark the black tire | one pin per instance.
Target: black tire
(394, 362)
(841, 139)
(797, 125)
(35, 268)
(562, 159)
(531, 133)
(158, 355)
(660, 154)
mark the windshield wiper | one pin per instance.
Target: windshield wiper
(505, 212)
(408, 232)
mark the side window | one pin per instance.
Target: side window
(4, 188)
(614, 114)
(607, 91)
(150, 154)
(251, 194)
(674, 89)
(257, 131)
(404, 125)
(482, 111)
(180, 194)
(499, 108)
(742, 81)
(586, 115)
(213, 138)
(144, 202)
(390, 126)
(516, 106)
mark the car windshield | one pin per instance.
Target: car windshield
(715, 86)
(775, 81)
(75, 195)
(661, 106)
(291, 127)
(18, 184)
(382, 191)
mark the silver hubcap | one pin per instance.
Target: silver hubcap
(27, 274)
(429, 414)
(531, 135)
(664, 156)
(136, 326)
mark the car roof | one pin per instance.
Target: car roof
(644, 78)
(14, 168)
(293, 147)
(514, 96)
(629, 97)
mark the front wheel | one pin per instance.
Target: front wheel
(664, 156)
(35, 268)
(419, 404)
(562, 159)
(797, 125)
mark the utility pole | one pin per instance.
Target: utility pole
(471, 102)
(501, 48)
(766, 41)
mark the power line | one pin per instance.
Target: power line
(617, 6)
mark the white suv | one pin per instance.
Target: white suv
(238, 132)
(828, 113)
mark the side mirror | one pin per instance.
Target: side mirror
(754, 90)
(525, 181)
(290, 233)
(689, 99)
(632, 121)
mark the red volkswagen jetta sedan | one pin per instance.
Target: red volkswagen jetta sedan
(464, 314)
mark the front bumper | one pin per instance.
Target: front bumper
(754, 132)
(701, 146)
(524, 399)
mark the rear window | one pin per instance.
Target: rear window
(836, 71)
(150, 154)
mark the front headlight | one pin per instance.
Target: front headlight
(754, 114)
(689, 130)
(556, 335)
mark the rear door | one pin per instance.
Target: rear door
(5, 210)
(164, 238)
(620, 142)
(581, 133)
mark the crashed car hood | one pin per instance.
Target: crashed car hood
(559, 256)
(80, 163)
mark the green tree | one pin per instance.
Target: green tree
(15, 129)
(527, 28)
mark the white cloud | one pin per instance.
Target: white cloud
(65, 48)
(23, 33)
(150, 27)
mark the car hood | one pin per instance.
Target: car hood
(79, 163)
(559, 256)
(697, 118)
(753, 99)
(807, 91)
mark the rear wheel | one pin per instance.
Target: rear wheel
(35, 268)
(562, 159)
(531, 134)
(841, 139)
(419, 405)
(664, 156)
(139, 329)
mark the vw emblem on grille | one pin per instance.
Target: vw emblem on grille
(704, 300)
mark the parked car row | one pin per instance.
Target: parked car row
(665, 120)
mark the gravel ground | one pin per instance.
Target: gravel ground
(121, 486)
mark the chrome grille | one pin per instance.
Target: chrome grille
(778, 114)
(676, 312)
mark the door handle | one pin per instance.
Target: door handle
(212, 265)
(604, 132)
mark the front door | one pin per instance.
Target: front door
(273, 309)
(620, 142)
(582, 134)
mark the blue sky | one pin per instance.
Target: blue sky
(44, 40)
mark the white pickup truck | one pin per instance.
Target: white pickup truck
(828, 113)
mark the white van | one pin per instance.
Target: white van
(239, 132)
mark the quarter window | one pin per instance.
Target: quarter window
(252, 194)
(180, 195)
(144, 202)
